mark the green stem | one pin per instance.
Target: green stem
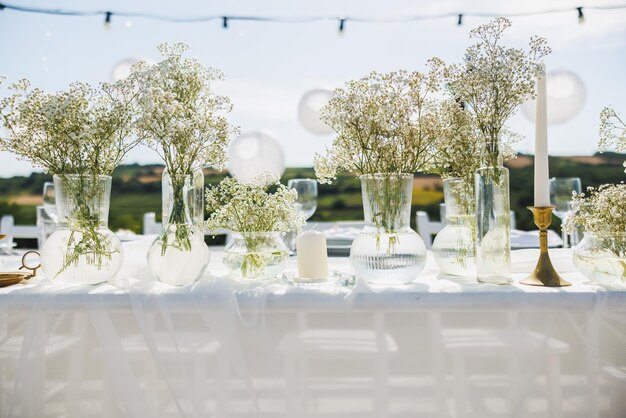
(178, 219)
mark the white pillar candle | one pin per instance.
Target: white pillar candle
(312, 257)
(542, 187)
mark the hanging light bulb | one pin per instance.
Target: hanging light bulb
(107, 20)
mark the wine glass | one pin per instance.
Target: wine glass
(561, 189)
(307, 195)
(49, 200)
(306, 203)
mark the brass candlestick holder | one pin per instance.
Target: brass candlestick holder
(544, 273)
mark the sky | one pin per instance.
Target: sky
(270, 66)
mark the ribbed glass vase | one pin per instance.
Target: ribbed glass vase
(387, 251)
(82, 249)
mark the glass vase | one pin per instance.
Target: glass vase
(194, 196)
(82, 249)
(601, 257)
(255, 255)
(493, 218)
(387, 251)
(179, 255)
(454, 247)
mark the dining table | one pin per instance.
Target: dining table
(440, 346)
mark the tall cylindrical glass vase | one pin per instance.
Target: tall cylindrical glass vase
(493, 218)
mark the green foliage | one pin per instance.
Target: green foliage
(137, 190)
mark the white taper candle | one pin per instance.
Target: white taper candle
(312, 257)
(542, 187)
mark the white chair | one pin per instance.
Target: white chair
(150, 225)
(467, 345)
(427, 228)
(12, 231)
(617, 377)
(177, 351)
(372, 346)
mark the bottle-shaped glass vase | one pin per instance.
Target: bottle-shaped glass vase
(387, 251)
(493, 218)
(82, 249)
(179, 255)
(454, 247)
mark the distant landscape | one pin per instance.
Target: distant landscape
(137, 190)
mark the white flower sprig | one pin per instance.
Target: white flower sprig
(601, 210)
(612, 132)
(77, 134)
(494, 80)
(180, 115)
(250, 207)
(82, 130)
(385, 123)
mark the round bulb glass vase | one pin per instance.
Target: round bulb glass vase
(601, 257)
(255, 255)
(82, 249)
(179, 255)
(387, 251)
(454, 247)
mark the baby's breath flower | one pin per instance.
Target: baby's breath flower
(82, 130)
(249, 207)
(494, 80)
(601, 210)
(612, 131)
(385, 123)
(180, 116)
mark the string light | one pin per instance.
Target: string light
(581, 16)
(107, 20)
(342, 20)
(342, 24)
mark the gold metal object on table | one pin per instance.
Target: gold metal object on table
(544, 273)
(11, 278)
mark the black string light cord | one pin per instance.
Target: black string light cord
(342, 20)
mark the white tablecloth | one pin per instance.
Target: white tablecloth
(436, 348)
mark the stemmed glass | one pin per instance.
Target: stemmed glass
(47, 213)
(306, 203)
(49, 200)
(561, 189)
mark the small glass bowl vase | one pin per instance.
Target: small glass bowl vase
(387, 251)
(454, 247)
(255, 255)
(601, 257)
(82, 249)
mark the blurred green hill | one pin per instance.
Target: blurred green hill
(137, 190)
